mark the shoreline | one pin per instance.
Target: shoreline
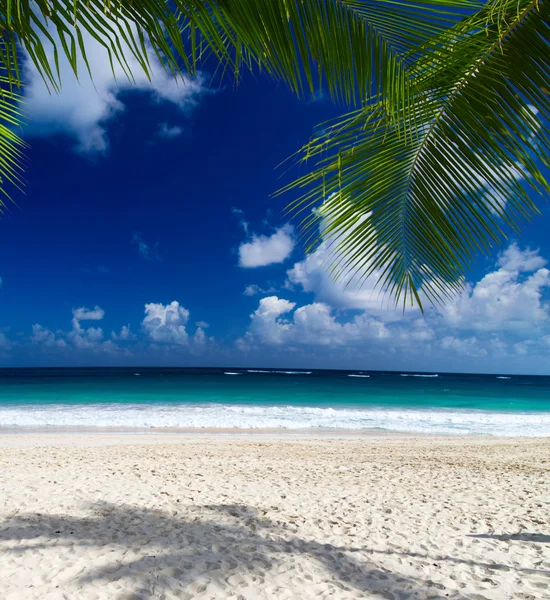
(97, 438)
(219, 431)
(179, 433)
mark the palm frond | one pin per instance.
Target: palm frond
(352, 46)
(11, 144)
(429, 202)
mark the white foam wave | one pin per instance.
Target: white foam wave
(258, 371)
(294, 372)
(278, 417)
(231, 373)
(503, 377)
(358, 375)
(418, 375)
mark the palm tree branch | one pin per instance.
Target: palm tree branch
(439, 198)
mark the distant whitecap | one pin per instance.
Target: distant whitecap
(231, 373)
(358, 375)
(419, 375)
(295, 372)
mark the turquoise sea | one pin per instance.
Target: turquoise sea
(438, 403)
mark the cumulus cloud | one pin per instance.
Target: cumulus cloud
(83, 107)
(504, 314)
(516, 259)
(313, 324)
(124, 335)
(508, 299)
(88, 314)
(199, 339)
(42, 336)
(166, 323)
(263, 250)
(353, 290)
(313, 275)
(81, 338)
(499, 321)
(166, 327)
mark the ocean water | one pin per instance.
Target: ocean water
(437, 403)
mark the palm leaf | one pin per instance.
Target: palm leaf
(420, 208)
(11, 144)
(351, 46)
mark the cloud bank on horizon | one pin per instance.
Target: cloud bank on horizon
(500, 323)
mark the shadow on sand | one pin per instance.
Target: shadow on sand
(183, 551)
(524, 536)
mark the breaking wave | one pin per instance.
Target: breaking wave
(434, 421)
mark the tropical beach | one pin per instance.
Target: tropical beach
(275, 300)
(273, 483)
(105, 516)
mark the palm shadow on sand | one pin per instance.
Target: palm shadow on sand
(180, 551)
(524, 536)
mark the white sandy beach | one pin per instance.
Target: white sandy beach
(123, 517)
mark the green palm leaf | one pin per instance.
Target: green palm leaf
(11, 144)
(352, 47)
(434, 165)
(418, 208)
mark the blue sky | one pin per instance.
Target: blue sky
(148, 236)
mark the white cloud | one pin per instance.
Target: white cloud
(266, 322)
(263, 250)
(200, 337)
(508, 299)
(42, 336)
(166, 324)
(313, 275)
(253, 290)
(87, 339)
(515, 259)
(88, 314)
(321, 273)
(502, 316)
(313, 324)
(166, 327)
(124, 335)
(169, 131)
(467, 346)
(83, 107)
